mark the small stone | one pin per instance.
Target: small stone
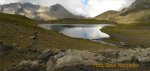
(32, 37)
(21, 36)
(15, 44)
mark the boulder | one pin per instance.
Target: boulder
(68, 60)
(46, 55)
(28, 66)
(83, 54)
(125, 55)
(90, 62)
(82, 60)
(73, 57)
(50, 64)
(143, 55)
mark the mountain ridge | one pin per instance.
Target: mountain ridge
(37, 12)
(138, 12)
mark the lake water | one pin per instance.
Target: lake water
(85, 31)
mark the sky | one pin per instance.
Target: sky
(87, 8)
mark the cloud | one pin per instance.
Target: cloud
(88, 8)
(99, 6)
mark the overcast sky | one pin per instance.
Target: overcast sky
(88, 8)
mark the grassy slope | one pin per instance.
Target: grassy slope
(137, 30)
(138, 12)
(142, 16)
(18, 31)
(132, 35)
(136, 33)
(107, 15)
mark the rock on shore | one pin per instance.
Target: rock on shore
(82, 60)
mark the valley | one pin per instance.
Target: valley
(38, 38)
(24, 34)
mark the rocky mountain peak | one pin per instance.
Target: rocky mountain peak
(136, 6)
(56, 7)
(59, 10)
(37, 12)
(140, 4)
(137, 12)
(29, 5)
(12, 5)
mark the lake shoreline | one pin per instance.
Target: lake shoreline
(128, 36)
(75, 29)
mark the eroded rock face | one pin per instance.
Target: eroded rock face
(76, 60)
(137, 5)
(46, 55)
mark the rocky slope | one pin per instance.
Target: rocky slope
(37, 12)
(10, 55)
(137, 6)
(77, 60)
(138, 12)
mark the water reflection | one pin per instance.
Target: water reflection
(86, 31)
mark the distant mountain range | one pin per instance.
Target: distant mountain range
(138, 12)
(37, 12)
